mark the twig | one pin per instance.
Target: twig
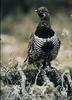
(38, 74)
(23, 80)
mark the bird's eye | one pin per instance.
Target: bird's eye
(40, 10)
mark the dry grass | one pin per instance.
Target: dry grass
(19, 28)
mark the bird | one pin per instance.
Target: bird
(44, 44)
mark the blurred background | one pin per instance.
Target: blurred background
(19, 21)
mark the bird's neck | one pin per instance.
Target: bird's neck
(44, 30)
(46, 21)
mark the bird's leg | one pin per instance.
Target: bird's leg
(49, 64)
(44, 64)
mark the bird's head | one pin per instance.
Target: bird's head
(43, 13)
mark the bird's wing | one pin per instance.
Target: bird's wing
(31, 41)
(59, 42)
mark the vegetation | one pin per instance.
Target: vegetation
(18, 82)
(18, 22)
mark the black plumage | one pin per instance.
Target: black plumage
(44, 44)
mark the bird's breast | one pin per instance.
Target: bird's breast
(39, 42)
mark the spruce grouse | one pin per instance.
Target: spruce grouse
(44, 44)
